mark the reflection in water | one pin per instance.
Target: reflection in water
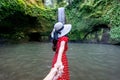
(32, 61)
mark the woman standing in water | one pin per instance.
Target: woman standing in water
(59, 69)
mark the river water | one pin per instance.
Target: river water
(32, 61)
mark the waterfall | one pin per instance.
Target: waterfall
(61, 15)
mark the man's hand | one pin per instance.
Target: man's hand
(51, 74)
(59, 66)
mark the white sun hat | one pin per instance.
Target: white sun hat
(63, 29)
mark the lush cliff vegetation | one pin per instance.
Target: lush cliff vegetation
(95, 20)
(92, 20)
(18, 18)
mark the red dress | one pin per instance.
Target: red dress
(65, 75)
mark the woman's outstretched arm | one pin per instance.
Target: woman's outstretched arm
(57, 70)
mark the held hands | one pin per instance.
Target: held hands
(59, 66)
(55, 72)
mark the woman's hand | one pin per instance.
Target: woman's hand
(59, 66)
(55, 72)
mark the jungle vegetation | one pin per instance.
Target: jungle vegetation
(92, 20)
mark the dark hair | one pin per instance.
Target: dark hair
(54, 41)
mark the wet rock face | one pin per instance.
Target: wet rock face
(100, 34)
(105, 36)
(34, 36)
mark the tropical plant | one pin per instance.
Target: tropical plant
(84, 15)
(29, 10)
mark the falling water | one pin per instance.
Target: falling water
(61, 15)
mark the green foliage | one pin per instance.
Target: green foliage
(16, 37)
(9, 7)
(85, 14)
(112, 16)
(115, 33)
(45, 18)
(115, 22)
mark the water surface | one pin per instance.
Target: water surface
(32, 61)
